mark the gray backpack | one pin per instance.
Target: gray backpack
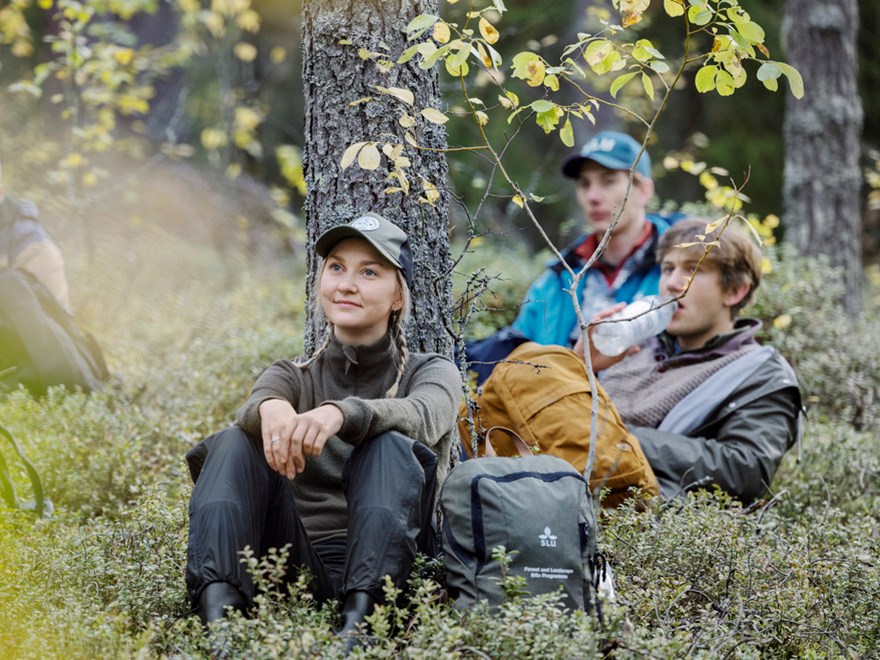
(538, 508)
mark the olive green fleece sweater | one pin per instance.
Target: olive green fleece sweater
(355, 379)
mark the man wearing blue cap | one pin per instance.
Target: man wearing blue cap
(627, 269)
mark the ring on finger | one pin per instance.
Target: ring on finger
(275, 440)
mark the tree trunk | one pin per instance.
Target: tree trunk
(822, 184)
(333, 77)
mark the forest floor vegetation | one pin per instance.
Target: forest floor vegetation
(187, 327)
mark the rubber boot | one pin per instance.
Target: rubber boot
(216, 598)
(358, 606)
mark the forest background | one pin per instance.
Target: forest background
(171, 174)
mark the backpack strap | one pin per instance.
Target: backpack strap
(41, 505)
(519, 443)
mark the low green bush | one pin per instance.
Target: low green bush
(795, 575)
(837, 358)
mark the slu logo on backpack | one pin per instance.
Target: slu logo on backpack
(548, 539)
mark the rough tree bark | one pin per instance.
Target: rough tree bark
(333, 77)
(822, 179)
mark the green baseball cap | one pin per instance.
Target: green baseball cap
(389, 239)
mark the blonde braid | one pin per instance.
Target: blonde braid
(304, 364)
(402, 356)
(398, 323)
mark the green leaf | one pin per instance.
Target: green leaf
(644, 50)
(673, 7)
(460, 56)
(705, 78)
(603, 57)
(431, 59)
(724, 83)
(659, 67)
(795, 82)
(751, 32)
(456, 71)
(620, 81)
(421, 22)
(739, 76)
(648, 84)
(699, 15)
(542, 105)
(408, 54)
(566, 133)
(515, 113)
(520, 63)
(771, 83)
(769, 71)
(548, 120)
(597, 51)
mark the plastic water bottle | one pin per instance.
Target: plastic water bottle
(614, 338)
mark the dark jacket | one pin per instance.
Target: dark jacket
(740, 442)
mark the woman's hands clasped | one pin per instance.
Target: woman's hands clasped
(288, 436)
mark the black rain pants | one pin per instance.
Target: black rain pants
(239, 501)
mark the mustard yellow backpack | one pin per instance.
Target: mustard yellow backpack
(543, 394)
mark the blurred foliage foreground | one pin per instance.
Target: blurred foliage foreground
(186, 330)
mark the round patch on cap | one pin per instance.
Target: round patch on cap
(365, 223)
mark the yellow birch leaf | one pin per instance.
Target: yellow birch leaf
(490, 34)
(350, 154)
(632, 11)
(399, 93)
(484, 56)
(441, 33)
(431, 192)
(518, 200)
(535, 72)
(434, 116)
(369, 157)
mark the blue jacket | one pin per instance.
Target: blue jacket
(547, 315)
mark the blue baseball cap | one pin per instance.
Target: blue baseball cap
(616, 151)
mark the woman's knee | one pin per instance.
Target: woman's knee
(388, 466)
(232, 466)
(391, 448)
(233, 447)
